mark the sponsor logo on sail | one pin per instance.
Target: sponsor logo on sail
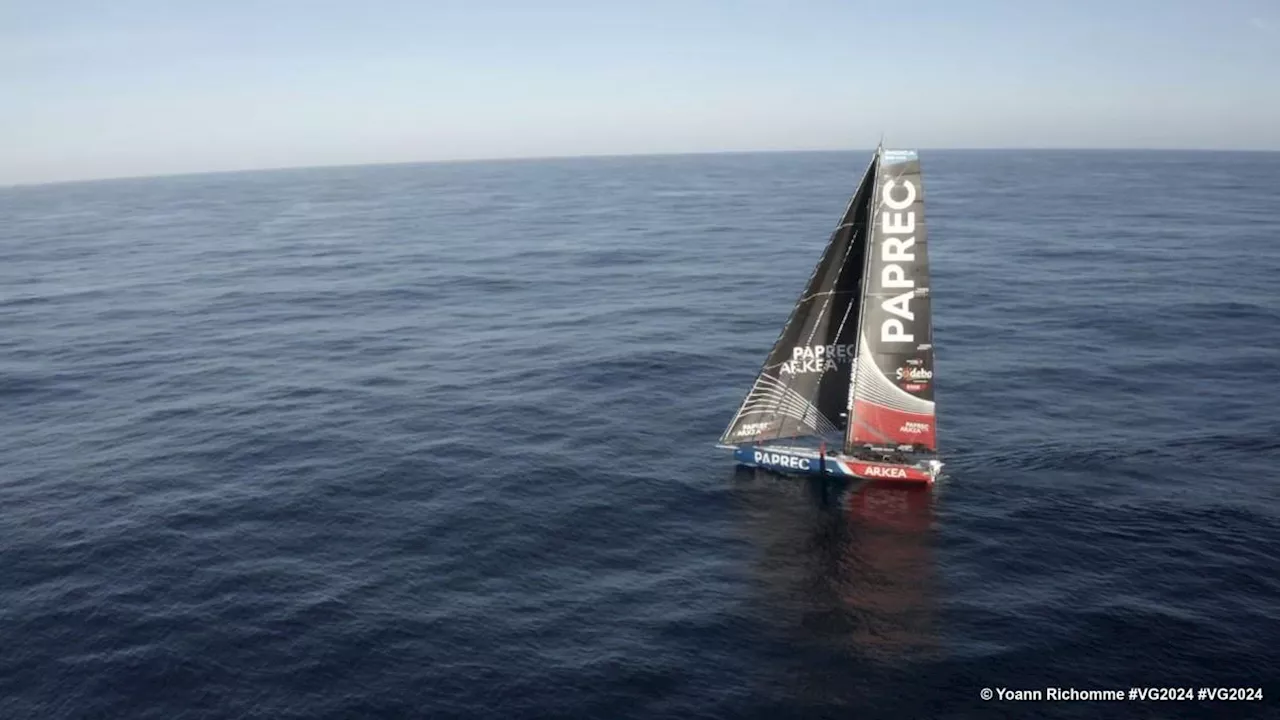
(789, 461)
(914, 379)
(915, 374)
(912, 427)
(754, 428)
(897, 253)
(817, 358)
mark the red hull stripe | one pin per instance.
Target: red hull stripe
(888, 471)
(880, 471)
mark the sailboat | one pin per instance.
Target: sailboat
(853, 367)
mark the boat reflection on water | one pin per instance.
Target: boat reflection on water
(846, 567)
(890, 576)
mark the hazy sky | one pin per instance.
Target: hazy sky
(97, 88)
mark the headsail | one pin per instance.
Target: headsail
(892, 395)
(803, 387)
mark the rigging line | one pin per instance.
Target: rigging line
(847, 309)
(825, 293)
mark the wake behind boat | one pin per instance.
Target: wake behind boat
(853, 366)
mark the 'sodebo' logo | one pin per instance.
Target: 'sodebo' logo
(915, 374)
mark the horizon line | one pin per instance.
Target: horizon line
(604, 156)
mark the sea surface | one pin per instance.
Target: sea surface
(436, 441)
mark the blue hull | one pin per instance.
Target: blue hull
(806, 461)
(791, 461)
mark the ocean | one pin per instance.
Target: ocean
(437, 441)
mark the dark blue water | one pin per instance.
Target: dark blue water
(436, 441)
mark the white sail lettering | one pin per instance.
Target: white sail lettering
(914, 374)
(816, 359)
(897, 249)
(899, 204)
(892, 276)
(900, 306)
(892, 223)
(894, 250)
(892, 330)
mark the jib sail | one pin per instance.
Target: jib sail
(892, 395)
(803, 388)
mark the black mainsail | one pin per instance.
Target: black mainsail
(803, 389)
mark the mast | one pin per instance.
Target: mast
(851, 410)
(892, 388)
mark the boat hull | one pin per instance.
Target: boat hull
(806, 461)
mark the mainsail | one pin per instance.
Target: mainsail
(803, 388)
(891, 400)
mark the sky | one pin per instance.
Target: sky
(94, 89)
